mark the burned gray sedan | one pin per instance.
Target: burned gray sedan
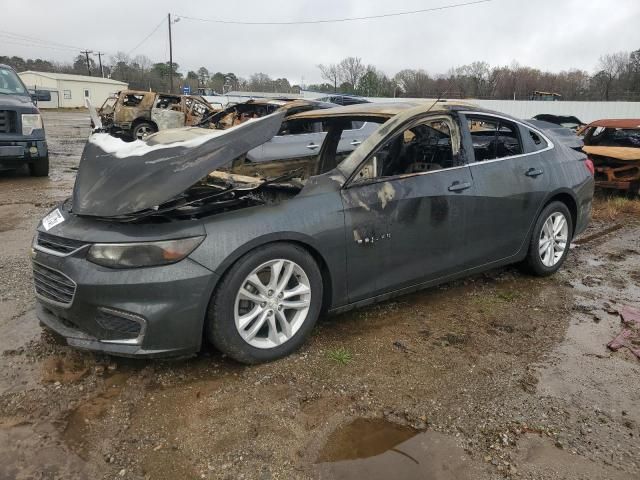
(180, 238)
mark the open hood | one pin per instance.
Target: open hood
(118, 178)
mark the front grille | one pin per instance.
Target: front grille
(58, 244)
(53, 285)
(117, 326)
(8, 121)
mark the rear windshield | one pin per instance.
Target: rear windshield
(10, 83)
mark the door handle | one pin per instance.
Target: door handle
(533, 172)
(312, 146)
(458, 186)
(355, 143)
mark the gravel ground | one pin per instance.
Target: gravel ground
(497, 376)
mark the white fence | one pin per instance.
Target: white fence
(585, 111)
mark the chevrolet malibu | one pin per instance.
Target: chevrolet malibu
(178, 239)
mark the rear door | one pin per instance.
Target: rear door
(354, 136)
(168, 112)
(300, 139)
(511, 178)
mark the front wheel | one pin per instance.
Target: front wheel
(142, 130)
(267, 304)
(550, 241)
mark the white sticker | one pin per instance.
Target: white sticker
(53, 219)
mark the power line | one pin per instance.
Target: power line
(36, 45)
(337, 20)
(17, 36)
(147, 37)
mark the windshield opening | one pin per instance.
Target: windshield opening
(10, 83)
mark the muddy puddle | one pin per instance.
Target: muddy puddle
(364, 438)
(377, 449)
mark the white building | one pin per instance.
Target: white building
(70, 91)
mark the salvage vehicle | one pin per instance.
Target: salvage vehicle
(564, 135)
(22, 136)
(180, 238)
(297, 140)
(135, 114)
(568, 121)
(545, 96)
(613, 145)
(256, 108)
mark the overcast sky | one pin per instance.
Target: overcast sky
(547, 34)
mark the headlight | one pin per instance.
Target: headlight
(31, 122)
(143, 254)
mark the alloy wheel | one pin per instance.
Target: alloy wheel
(272, 303)
(143, 132)
(553, 239)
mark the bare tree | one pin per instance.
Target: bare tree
(351, 70)
(330, 73)
(261, 82)
(611, 66)
(414, 83)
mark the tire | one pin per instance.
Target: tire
(229, 309)
(142, 130)
(40, 167)
(551, 259)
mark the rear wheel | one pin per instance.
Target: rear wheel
(39, 167)
(142, 130)
(267, 304)
(550, 241)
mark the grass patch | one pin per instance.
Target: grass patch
(613, 207)
(340, 355)
(508, 296)
(491, 301)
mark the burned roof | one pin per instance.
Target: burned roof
(385, 110)
(616, 123)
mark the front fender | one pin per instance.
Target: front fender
(313, 221)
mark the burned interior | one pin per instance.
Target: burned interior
(614, 147)
(241, 112)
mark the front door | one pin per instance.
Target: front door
(406, 210)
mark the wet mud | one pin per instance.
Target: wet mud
(496, 376)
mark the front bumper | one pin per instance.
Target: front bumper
(17, 152)
(169, 303)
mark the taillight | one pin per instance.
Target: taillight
(589, 164)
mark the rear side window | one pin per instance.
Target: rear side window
(493, 138)
(539, 143)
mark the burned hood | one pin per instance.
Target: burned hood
(118, 178)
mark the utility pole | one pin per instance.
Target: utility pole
(99, 54)
(170, 56)
(86, 55)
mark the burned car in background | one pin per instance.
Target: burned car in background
(293, 140)
(134, 114)
(179, 238)
(614, 147)
(567, 121)
(564, 135)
